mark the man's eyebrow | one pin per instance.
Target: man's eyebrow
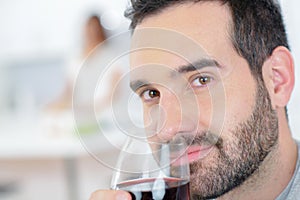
(197, 65)
(135, 85)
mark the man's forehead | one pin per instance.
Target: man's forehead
(180, 33)
(190, 13)
(158, 57)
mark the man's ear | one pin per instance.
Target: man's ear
(278, 74)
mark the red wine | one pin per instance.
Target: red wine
(157, 189)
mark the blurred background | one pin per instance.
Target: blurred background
(39, 155)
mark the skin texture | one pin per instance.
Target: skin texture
(266, 141)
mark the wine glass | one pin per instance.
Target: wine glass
(153, 170)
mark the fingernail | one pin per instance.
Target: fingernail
(122, 196)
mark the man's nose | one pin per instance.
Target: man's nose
(174, 116)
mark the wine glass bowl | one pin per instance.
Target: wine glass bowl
(153, 170)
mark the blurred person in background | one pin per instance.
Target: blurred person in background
(79, 92)
(95, 49)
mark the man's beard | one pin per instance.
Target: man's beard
(237, 160)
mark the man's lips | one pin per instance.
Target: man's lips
(197, 152)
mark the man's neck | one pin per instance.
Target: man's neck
(274, 173)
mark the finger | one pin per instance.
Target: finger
(110, 195)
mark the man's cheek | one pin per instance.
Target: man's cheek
(150, 122)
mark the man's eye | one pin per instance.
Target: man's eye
(150, 94)
(201, 81)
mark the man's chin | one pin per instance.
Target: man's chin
(203, 171)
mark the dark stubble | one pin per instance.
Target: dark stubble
(233, 163)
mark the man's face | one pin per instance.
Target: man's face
(205, 94)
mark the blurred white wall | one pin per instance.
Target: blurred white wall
(30, 27)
